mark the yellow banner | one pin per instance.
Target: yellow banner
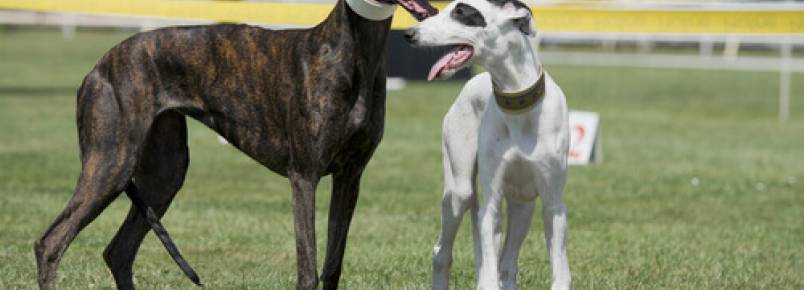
(670, 21)
(574, 18)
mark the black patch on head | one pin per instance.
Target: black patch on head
(516, 3)
(523, 24)
(467, 15)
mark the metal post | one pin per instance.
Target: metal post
(68, 26)
(784, 80)
(706, 47)
(731, 48)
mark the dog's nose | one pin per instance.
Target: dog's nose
(411, 35)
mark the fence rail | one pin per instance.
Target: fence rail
(777, 24)
(784, 19)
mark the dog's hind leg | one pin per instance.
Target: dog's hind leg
(107, 167)
(159, 174)
(91, 197)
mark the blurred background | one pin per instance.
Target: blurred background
(701, 103)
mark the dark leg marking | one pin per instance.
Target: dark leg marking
(345, 190)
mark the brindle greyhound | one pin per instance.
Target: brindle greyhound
(304, 103)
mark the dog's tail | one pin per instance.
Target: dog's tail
(153, 221)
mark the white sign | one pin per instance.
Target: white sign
(585, 143)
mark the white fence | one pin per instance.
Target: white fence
(730, 59)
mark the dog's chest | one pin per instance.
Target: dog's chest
(521, 173)
(525, 154)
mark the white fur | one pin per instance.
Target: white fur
(371, 9)
(517, 157)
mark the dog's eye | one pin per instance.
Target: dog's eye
(468, 15)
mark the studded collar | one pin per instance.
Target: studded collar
(522, 101)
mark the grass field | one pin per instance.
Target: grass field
(701, 188)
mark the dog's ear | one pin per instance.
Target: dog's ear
(520, 15)
(523, 24)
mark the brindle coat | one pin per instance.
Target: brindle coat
(304, 103)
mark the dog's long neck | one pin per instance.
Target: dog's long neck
(366, 37)
(517, 68)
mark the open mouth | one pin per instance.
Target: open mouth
(451, 62)
(420, 9)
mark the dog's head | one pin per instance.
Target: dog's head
(476, 30)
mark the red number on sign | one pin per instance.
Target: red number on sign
(580, 132)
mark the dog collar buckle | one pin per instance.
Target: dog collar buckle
(522, 101)
(371, 9)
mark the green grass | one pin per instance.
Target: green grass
(637, 221)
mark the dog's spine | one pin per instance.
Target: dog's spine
(153, 221)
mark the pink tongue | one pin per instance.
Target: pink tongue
(419, 11)
(453, 59)
(415, 7)
(440, 65)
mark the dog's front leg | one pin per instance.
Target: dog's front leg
(459, 147)
(345, 189)
(520, 215)
(459, 196)
(490, 224)
(554, 214)
(304, 186)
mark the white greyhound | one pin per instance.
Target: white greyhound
(509, 126)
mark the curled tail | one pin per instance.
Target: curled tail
(153, 221)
